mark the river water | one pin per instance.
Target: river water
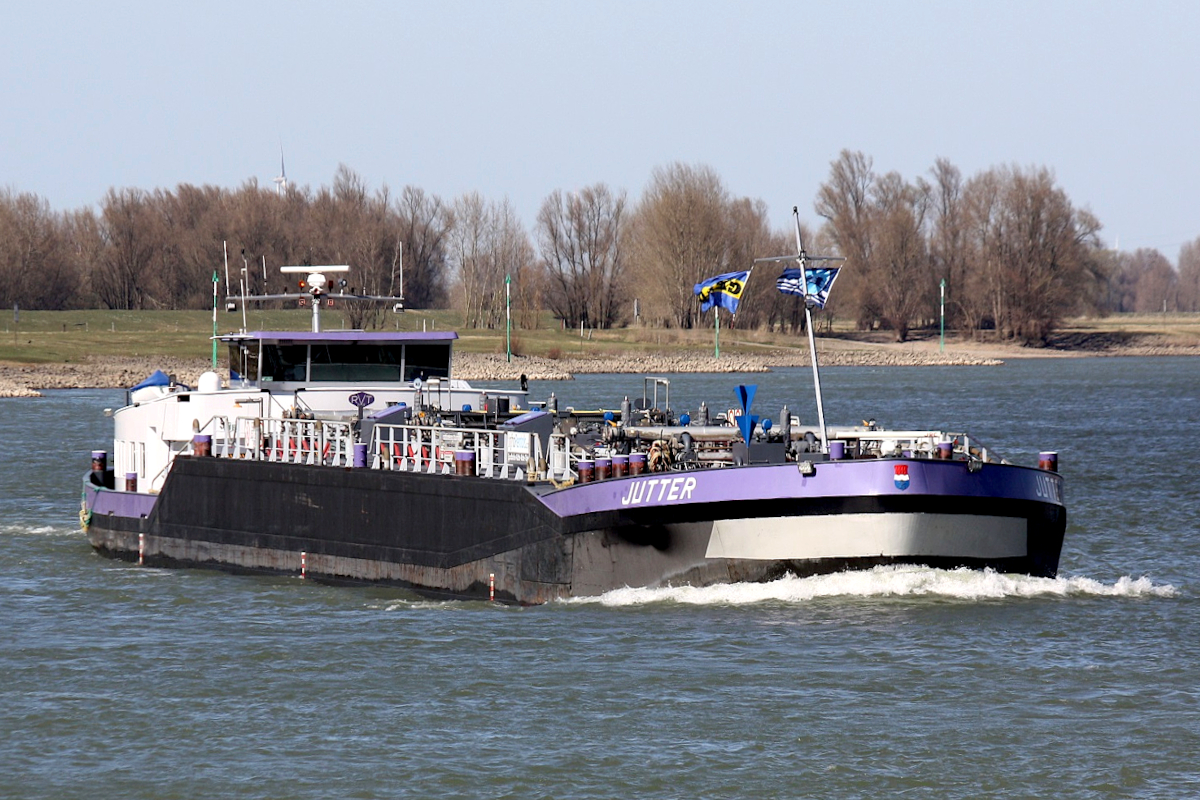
(118, 681)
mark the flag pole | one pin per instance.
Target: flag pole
(812, 342)
(705, 289)
(812, 348)
(816, 298)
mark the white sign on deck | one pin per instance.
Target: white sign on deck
(518, 446)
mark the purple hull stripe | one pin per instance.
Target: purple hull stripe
(122, 504)
(869, 478)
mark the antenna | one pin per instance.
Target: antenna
(245, 278)
(316, 285)
(281, 181)
(315, 288)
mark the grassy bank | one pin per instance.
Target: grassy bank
(47, 337)
(41, 337)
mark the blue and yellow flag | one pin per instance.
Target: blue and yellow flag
(723, 290)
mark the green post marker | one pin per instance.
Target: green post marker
(214, 319)
(508, 314)
(717, 315)
(942, 341)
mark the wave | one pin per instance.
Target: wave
(891, 581)
(19, 529)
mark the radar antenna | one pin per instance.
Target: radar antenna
(316, 288)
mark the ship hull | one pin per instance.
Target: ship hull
(449, 536)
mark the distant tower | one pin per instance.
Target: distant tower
(281, 181)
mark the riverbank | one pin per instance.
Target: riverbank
(105, 372)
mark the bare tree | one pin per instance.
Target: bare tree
(900, 265)
(36, 269)
(844, 201)
(748, 235)
(128, 230)
(878, 222)
(424, 222)
(514, 259)
(949, 247)
(580, 238)
(1034, 249)
(191, 218)
(680, 236)
(1189, 276)
(1148, 282)
(470, 255)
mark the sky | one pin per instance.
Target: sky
(518, 99)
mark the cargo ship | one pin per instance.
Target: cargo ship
(311, 461)
(360, 456)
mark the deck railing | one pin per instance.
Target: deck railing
(509, 455)
(491, 453)
(506, 455)
(284, 440)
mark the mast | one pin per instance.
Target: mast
(316, 285)
(214, 336)
(802, 258)
(812, 342)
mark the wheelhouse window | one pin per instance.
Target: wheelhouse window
(426, 361)
(343, 362)
(357, 362)
(284, 362)
(243, 360)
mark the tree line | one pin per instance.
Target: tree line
(1014, 253)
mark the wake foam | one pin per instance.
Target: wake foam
(891, 581)
(18, 529)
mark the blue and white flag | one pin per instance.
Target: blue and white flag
(820, 281)
(722, 290)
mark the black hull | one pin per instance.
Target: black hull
(456, 537)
